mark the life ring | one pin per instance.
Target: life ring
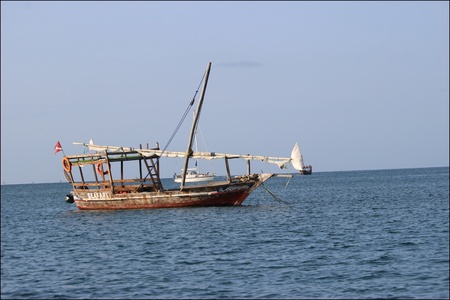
(99, 170)
(67, 165)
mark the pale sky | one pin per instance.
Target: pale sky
(359, 85)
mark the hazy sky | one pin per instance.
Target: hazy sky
(359, 85)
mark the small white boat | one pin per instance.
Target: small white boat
(193, 175)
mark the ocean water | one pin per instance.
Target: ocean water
(358, 234)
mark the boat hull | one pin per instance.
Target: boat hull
(307, 170)
(212, 194)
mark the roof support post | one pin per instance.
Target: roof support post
(227, 166)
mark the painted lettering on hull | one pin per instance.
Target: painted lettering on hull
(97, 196)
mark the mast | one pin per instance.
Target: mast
(194, 127)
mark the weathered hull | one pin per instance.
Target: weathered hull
(214, 194)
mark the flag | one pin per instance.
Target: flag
(58, 147)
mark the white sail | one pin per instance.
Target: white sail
(297, 158)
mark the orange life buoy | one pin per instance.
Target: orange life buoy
(99, 170)
(67, 165)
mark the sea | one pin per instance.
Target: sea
(340, 235)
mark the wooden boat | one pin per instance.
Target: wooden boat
(99, 181)
(297, 161)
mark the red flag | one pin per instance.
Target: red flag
(58, 147)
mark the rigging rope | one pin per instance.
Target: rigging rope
(178, 126)
(184, 115)
(287, 183)
(180, 123)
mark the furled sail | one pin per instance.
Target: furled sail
(281, 162)
(297, 158)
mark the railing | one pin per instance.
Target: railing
(119, 186)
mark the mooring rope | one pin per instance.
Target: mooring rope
(287, 183)
(273, 195)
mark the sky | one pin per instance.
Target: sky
(359, 85)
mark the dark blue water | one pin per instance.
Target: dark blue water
(369, 234)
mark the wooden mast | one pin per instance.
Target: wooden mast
(194, 126)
